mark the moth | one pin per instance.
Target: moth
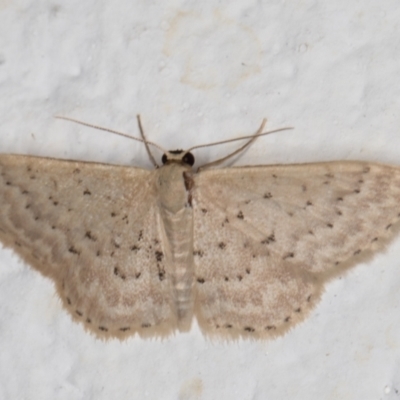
(246, 251)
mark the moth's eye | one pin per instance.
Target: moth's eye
(188, 159)
(164, 158)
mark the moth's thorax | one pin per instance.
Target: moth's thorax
(171, 187)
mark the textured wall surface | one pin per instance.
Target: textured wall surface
(200, 72)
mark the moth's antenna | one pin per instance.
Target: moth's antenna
(257, 134)
(240, 149)
(146, 143)
(144, 140)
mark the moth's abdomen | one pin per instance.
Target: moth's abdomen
(179, 238)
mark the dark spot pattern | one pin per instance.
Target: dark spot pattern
(161, 272)
(117, 272)
(199, 253)
(269, 239)
(189, 184)
(159, 255)
(55, 202)
(90, 236)
(240, 215)
(288, 255)
(270, 327)
(73, 250)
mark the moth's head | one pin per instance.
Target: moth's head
(178, 156)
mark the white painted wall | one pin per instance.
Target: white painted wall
(202, 71)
